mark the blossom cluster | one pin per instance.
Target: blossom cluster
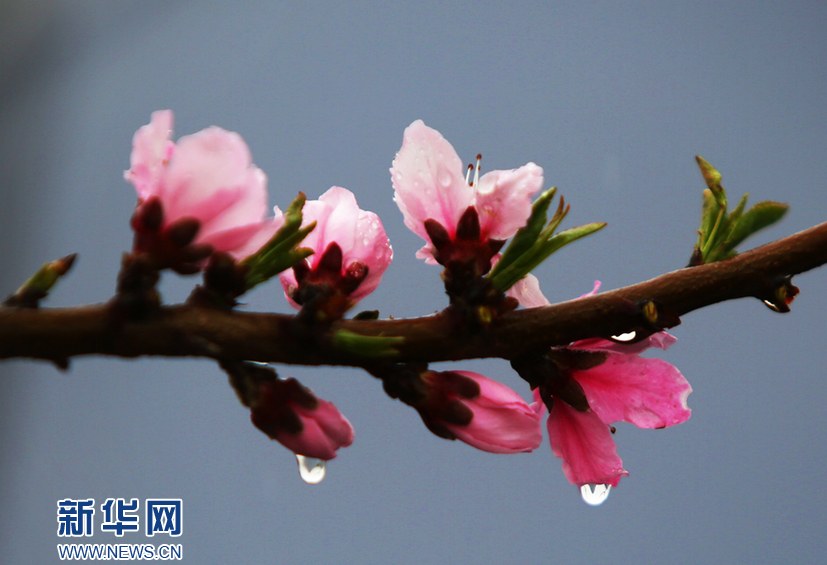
(202, 198)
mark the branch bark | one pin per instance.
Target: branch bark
(189, 330)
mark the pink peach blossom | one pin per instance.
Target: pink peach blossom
(429, 182)
(501, 422)
(622, 386)
(358, 233)
(207, 176)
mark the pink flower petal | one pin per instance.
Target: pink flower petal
(586, 446)
(503, 200)
(649, 393)
(429, 180)
(151, 151)
(242, 241)
(211, 177)
(527, 292)
(325, 431)
(208, 176)
(359, 234)
(503, 422)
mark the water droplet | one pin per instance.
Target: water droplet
(628, 336)
(595, 496)
(772, 306)
(311, 470)
(445, 178)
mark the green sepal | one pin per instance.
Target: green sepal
(280, 253)
(526, 236)
(370, 346)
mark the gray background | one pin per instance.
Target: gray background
(612, 100)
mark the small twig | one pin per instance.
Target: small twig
(182, 330)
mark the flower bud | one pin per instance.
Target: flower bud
(480, 412)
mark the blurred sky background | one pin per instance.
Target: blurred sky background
(612, 100)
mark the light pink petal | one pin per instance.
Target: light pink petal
(426, 254)
(429, 180)
(593, 291)
(359, 234)
(586, 446)
(242, 241)
(151, 150)
(503, 200)
(527, 292)
(211, 178)
(649, 393)
(335, 214)
(372, 248)
(503, 422)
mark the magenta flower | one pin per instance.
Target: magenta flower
(480, 412)
(594, 383)
(292, 415)
(351, 250)
(430, 183)
(622, 386)
(204, 190)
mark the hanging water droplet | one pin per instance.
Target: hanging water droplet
(628, 336)
(772, 306)
(596, 496)
(311, 470)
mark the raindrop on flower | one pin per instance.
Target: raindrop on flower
(311, 470)
(595, 496)
(445, 178)
(628, 336)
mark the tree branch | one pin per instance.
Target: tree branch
(191, 330)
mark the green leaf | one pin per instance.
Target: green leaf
(709, 215)
(280, 253)
(539, 252)
(758, 217)
(526, 236)
(372, 346)
(40, 283)
(713, 180)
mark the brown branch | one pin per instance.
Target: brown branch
(189, 330)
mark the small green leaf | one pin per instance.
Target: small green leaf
(40, 283)
(526, 236)
(280, 253)
(539, 252)
(372, 346)
(758, 217)
(713, 180)
(709, 215)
